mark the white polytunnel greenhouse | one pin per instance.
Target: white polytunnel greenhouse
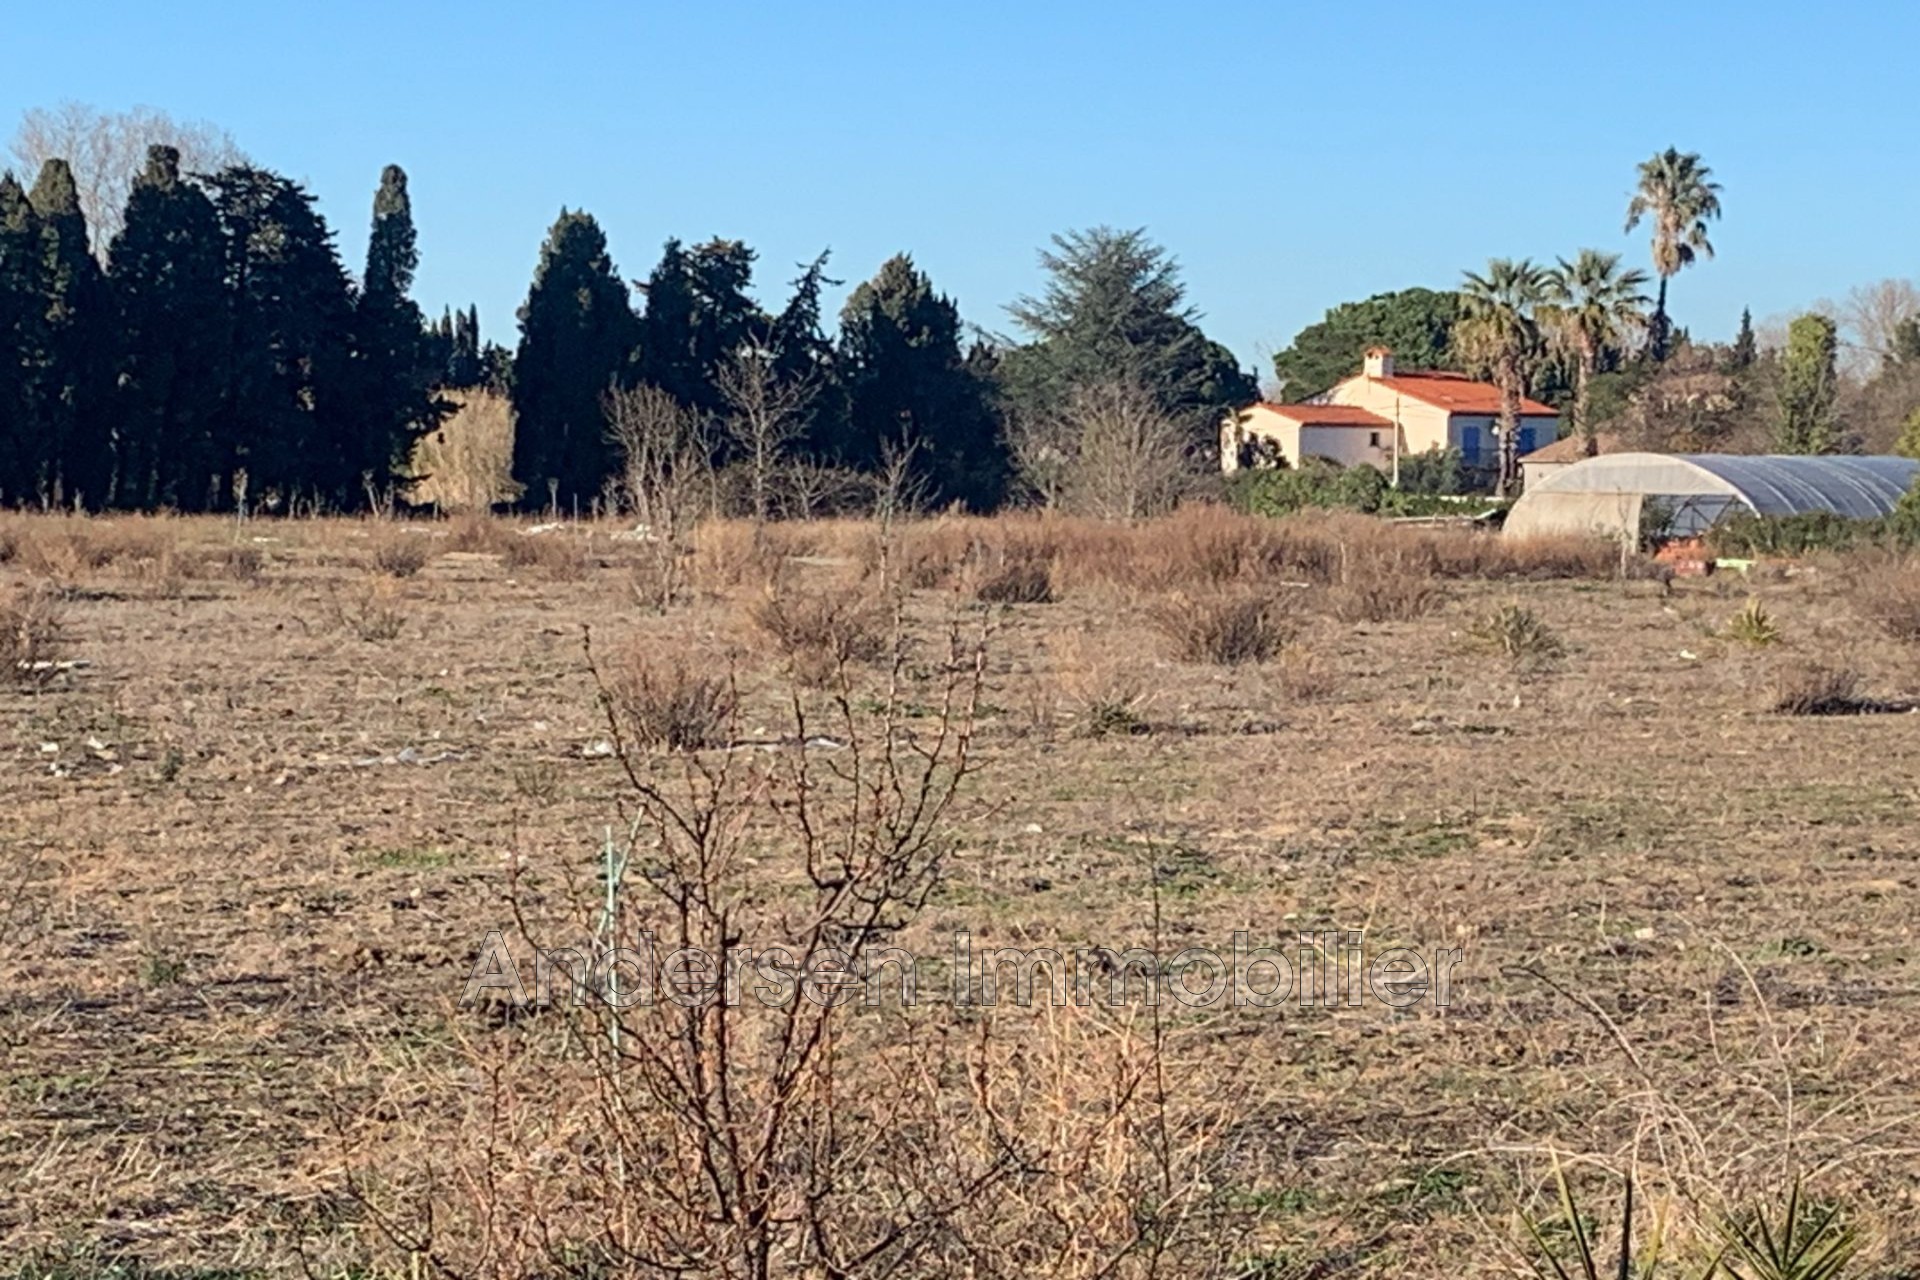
(1687, 493)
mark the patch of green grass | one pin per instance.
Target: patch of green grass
(1398, 840)
(412, 859)
(88, 1264)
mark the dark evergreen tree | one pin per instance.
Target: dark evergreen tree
(69, 393)
(1744, 348)
(698, 317)
(21, 318)
(1415, 324)
(396, 370)
(291, 418)
(166, 275)
(577, 336)
(907, 380)
(1115, 310)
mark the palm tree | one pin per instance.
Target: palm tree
(1499, 331)
(1592, 307)
(1676, 194)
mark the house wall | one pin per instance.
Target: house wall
(1348, 446)
(1422, 426)
(1258, 423)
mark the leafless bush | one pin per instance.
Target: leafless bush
(1020, 574)
(765, 415)
(1383, 594)
(556, 555)
(374, 610)
(466, 463)
(668, 702)
(400, 555)
(1812, 688)
(242, 563)
(666, 452)
(31, 633)
(822, 630)
(1103, 682)
(1891, 597)
(1111, 452)
(1227, 628)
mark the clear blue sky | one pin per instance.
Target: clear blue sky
(1293, 156)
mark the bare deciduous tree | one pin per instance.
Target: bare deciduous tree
(765, 415)
(1111, 451)
(1870, 317)
(107, 149)
(666, 454)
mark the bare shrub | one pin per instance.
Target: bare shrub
(766, 413)
(1303, 676)
(466, 463)
(1892, 599)
(1111, 451)
(400, 555)
(1022, 574)
(821, 631)
(1383, 595)
(667, 702)
(555, 555)
(241, 563)
(31, 634)
(374, 610)
(481, 534)
(1227, 628)
(1813, 688)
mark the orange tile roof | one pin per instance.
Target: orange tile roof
(1457, 393)
(1327, 415)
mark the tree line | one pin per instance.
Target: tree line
(212, 352)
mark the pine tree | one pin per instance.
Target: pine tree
(698, 319)
(1744, 349)
(907, 381)
(577, 336)
(395, 362)
(70, 385)
(291, 416)
(165, 274)
(21, 318)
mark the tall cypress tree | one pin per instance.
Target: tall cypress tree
(907, 379)
(577, 335)
(69, 392)
(165, 273)
(395, 361)
(290, 418)
(21, 317)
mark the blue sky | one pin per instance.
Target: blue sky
(1292, 156)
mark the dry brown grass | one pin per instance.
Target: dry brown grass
(400, 555)
(250, 919)
(1890, 596)
(1226, 628)
(1021, 574)
(559, 555)
(31, 633)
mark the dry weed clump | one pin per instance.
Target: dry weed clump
(822, 630)
(1516, 633)
(1383, 594)
(31, 634)
(1102, 681)
(400, 555)
(1227, 628)
(729, 555)
(1809, 687)
(556, 556)
(375, 610)
(668, 702)
(1020, 574)
(1891, 598)
(481, 534)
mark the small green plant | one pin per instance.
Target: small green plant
(1753, 625)
(1516, 633)
(162, 968)
(1801, 1244)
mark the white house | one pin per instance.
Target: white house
(1379, 415)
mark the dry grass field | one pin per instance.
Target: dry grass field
(250, 844)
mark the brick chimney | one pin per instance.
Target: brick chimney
(1379, 362)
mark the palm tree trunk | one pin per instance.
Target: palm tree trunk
(1582, 421)
(1658, 329)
